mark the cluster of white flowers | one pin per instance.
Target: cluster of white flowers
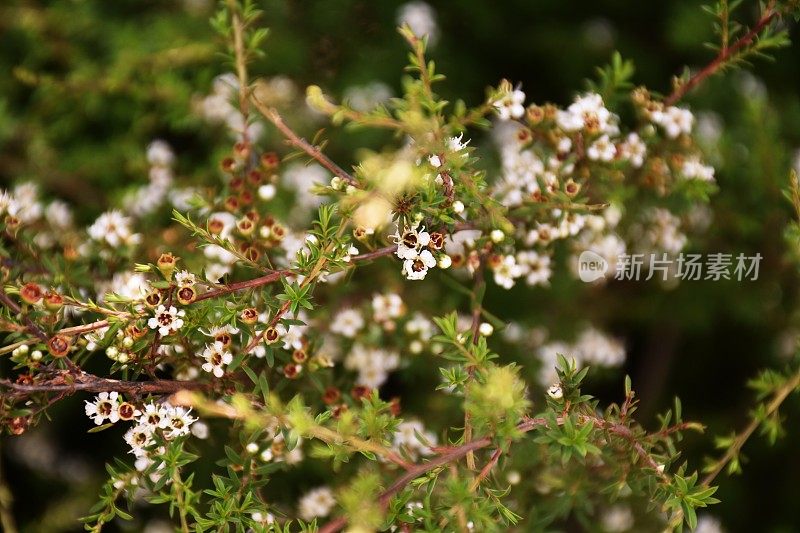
(347, 322)
(170, 420)
(592, 347)
(23, 203)
(694, 169)
(660, 231)
(127, 284)
(386, 307)
(674, 120)
(414, 248)
(372, 364)
(406, 439)
(588, 113)
(316, 503)
(114, 229)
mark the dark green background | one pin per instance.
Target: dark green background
(108, 89)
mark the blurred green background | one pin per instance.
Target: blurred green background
(85, 85)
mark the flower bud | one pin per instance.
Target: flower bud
(53, 301)
(270, 160)
(299, 356)
(30, 293)
(331, 396)
(166, 264)
(292, 370)
(458, 207)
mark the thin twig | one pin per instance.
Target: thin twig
(298, 142)
(733, 451)
(725, 53)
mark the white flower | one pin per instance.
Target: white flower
(154, 416)
(215, 271)
(200, 430)
(138, 438)
(166, 320)
(536, 267)
(602, 149)
(113, 228)
(185, 278)
(407, 438)
(420, 325)
(316, 503)
(179, 421)
(386, 306)
(555, 391)
(159, 153)
(589, 112)
(485, 329)
(104, 407)
(421, 18)
(708, 524)
(617, 519)
(267, 192)
(435, 161)
(455, 144)
(347, 322)
(597, 348)
(58, 214)
(416, 267)
(674, 120)
(217, 357)
(507, 271)
(634, 150)
(693, 169)
(510, 105)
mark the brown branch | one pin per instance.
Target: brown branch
(69, 383)
(769, 14)
(244, 285)
(298, 142)
(485, 470)
(448, 455)
(241, 65)
(380, 252)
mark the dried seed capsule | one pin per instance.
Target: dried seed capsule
(59, 345)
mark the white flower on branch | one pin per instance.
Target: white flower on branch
(104, 407)
(217, 358)
(166, 321)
